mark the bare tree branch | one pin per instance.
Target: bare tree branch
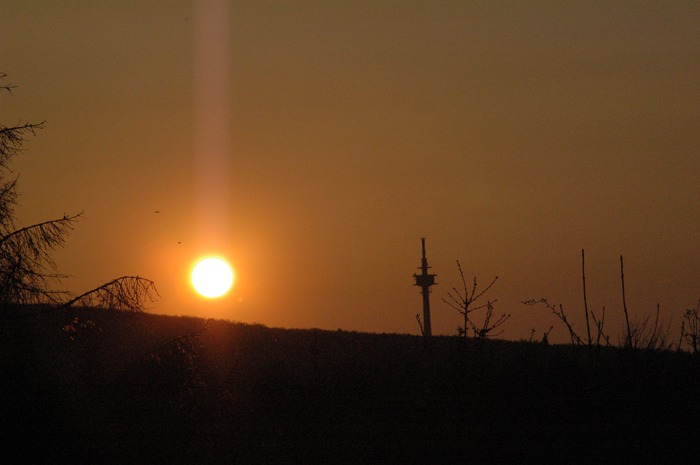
(420, 325)
(600, 324)
(6, 87)
(11, 139)
(8, 201)
(27, 271)
(691, 333)
(485, 290)
(624, 304)
(486, 328)
(559, 312)
(127, 294)
(463, 300)
(585, 299)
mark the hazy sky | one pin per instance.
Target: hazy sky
(314, 143)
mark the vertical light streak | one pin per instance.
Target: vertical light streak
(212, 117)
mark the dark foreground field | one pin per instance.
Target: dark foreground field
(91, 386)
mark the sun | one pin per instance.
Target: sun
(212, 277)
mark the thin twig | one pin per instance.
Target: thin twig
(624, 303)
(420, 325)
(585, 301)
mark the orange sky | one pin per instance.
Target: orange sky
(335, 134)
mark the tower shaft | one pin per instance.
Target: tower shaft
(427, 327)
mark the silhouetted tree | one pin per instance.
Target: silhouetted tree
(27, 272)
(690, 329)
(463, 300)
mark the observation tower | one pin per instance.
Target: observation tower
(424, 281)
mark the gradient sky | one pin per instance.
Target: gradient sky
(314, 143)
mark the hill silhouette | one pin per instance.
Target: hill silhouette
(83, 385)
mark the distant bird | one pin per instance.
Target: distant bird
(157, 211)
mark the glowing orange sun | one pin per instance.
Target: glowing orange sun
(212, 277)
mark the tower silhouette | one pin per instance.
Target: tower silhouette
(424, 281)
